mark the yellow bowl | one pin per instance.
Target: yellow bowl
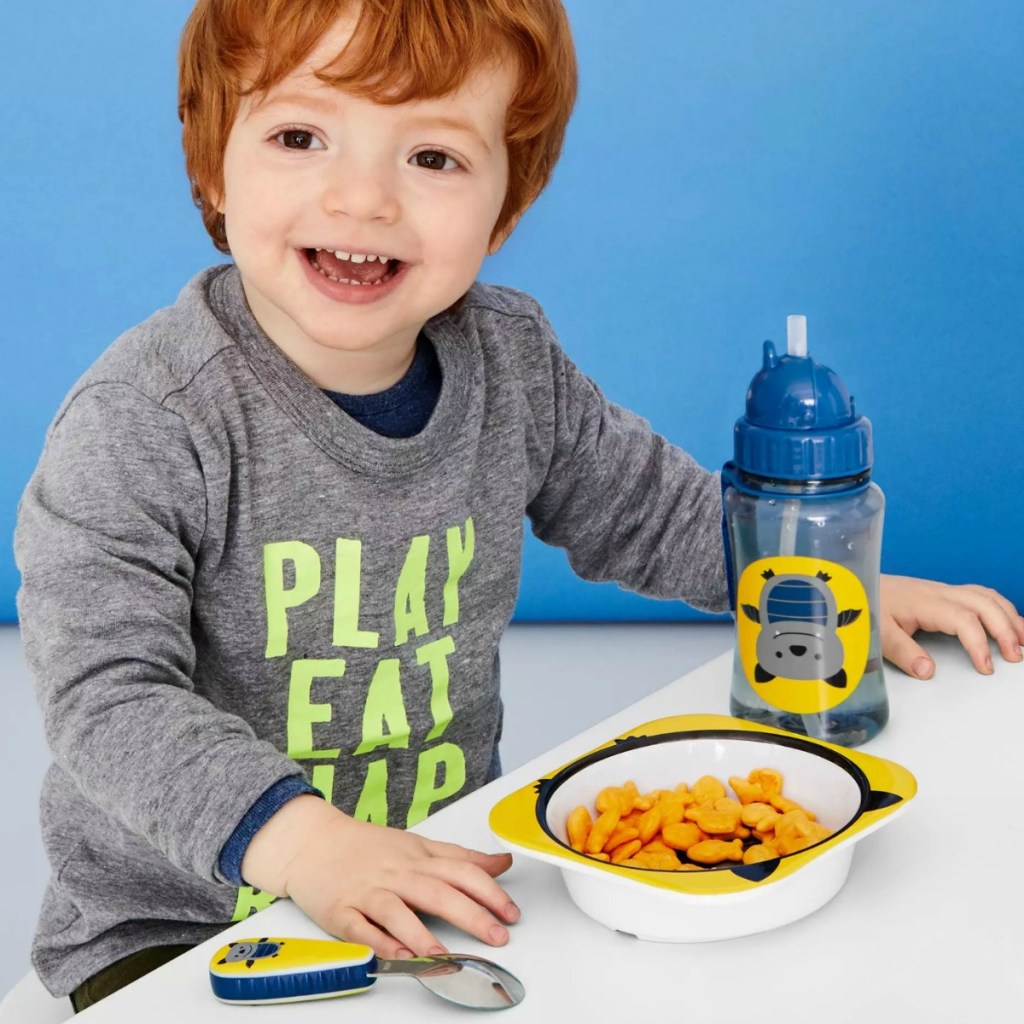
(851, 792)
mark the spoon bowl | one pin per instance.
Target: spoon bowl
(459, 978)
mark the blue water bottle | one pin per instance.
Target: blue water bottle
(802, 524)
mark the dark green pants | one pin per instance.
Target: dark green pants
(121, 973)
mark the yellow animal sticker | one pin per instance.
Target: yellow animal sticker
(803, 628)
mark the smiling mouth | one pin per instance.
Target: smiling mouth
(353, 268)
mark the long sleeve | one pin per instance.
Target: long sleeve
(109, 533)
(624, 503)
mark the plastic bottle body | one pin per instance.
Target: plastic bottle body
(832, 524)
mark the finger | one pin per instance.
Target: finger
(493, 863)
(434, 896)
(478, 886)
(904, 651)
(972, 635)
(353, 926)
(392, 913)
(1001, 620)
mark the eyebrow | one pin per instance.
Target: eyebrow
(441, 121)
(299, 100)
(417, 121)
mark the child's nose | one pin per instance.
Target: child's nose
(361, 192)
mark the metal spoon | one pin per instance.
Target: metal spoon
(277, 970)
(460, 978)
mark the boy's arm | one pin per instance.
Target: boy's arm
(625, 504)
(628, 506)
(108, 535)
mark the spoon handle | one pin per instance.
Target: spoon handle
(284, 970)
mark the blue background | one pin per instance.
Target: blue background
(857, 161)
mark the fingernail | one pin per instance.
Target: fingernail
(404, 954)
(1016, 655)
(922, 668)
(988, 665)
(512, 912)
(497, 934)
(436, 951)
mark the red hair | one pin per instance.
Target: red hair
(401, 50)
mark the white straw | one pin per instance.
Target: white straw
(796, 335)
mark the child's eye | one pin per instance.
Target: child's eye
(298, 138)
(435, 160)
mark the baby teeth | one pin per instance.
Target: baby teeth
(356, 257)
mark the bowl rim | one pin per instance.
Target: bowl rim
(519, 819)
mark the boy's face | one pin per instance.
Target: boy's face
(311, 172)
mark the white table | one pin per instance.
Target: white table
(925, 929)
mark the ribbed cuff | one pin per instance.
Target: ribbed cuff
(231, 854)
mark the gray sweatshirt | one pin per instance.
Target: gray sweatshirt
(226, 580)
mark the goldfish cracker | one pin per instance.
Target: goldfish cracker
(602, 830)
(682, 836)
(753, 813)
(656, 861)
(707, 789)
(578, 826)
(655, 846)
(672, 810)
(714, 851)
(682, 791)
(791, 831)
(739, 832)
(624, 797)
(632, 820)
(600, 856)
(711, 821)
(643, 803)
(621, 834)
(783, 804)
(793, 842)
(609, 797)
(650, 824)
(760, 852)
(768, 779)
(795, 831)
(795, 820)
(726, 803)
(690, 867)
(746, 791)
(625, 851)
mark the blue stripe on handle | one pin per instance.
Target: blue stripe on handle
(303, 984)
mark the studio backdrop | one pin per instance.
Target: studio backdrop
(856, 161)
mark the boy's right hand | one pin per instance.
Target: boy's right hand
(364, 882)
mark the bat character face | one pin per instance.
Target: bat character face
(799, 637)
(250, 952)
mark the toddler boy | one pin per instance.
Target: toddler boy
(274, 537)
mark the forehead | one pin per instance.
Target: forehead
(482, 97)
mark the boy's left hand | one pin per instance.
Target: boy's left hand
(970, 612)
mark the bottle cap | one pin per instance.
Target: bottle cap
(800, 421)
